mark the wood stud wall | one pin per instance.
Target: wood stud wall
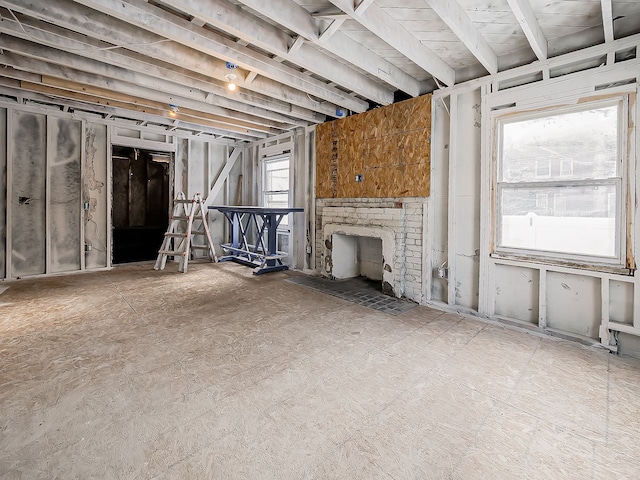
(388, 146)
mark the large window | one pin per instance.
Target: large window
(560, 184)
(275, 194)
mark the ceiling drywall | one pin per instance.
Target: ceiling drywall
(167, 63)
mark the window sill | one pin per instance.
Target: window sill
(534, 260)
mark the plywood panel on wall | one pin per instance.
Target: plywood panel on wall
(388, 146)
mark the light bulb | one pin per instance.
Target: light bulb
(230, 78)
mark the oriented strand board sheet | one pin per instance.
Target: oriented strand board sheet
(326, 184)
(388, 146)
(28, 200)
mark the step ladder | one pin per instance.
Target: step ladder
(189, 219)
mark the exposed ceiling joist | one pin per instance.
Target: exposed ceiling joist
(160, 22)
(458, 21)
(34, 57)
(331, 29)
(528, 21)
(362, 6)
(12, 87)
(128, 105)
(379, 22)
(295, 18)
(99, 96)
(100, 26)
(124, 93)
(171, 82)
(607, 20)
(298, 62)
(230, 18)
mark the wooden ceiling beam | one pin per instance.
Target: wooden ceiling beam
(461, 25)
(160, 22)
(239, 23)
(31, 57)
(143, 45)
(297, 19)
(528, 21)
(30, 91)
(381, 24)
(113, 64)
(607, 20)
(87, 93)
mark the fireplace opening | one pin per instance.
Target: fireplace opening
(358, 256)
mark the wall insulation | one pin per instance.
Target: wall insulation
(64, 192)
(388, 147)
(27, 202)
(3, 191)
(55, 187)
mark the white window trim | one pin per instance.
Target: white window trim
(282, 229)
(617, 262)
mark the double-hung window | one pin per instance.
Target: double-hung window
(560, 184)
(275, 194)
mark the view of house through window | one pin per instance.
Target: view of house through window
(276, 194)
(559, 183)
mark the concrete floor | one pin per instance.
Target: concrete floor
(219, 374)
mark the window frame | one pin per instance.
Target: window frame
(620, 181)
(283, 229)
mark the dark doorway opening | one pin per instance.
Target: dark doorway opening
(141, 183)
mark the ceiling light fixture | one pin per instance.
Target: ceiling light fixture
(231, 85)
(231, 77)
(173, 110)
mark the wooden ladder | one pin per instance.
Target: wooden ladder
(189, 218)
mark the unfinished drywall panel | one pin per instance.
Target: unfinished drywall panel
(466, 178)
(574, 304)
(28, 200)
(628, 345)
(438, 230)
(382, 153)
(3, 191)
(467, 251)
(620, 301)
(216, 163)
(197, 171)
(64, 152)
(517, 293)
(94, 196)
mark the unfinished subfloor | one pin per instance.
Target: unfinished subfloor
(219, 374)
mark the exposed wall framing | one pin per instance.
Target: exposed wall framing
(55, 184)
(591, 304)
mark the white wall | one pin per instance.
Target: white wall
(597, 304)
